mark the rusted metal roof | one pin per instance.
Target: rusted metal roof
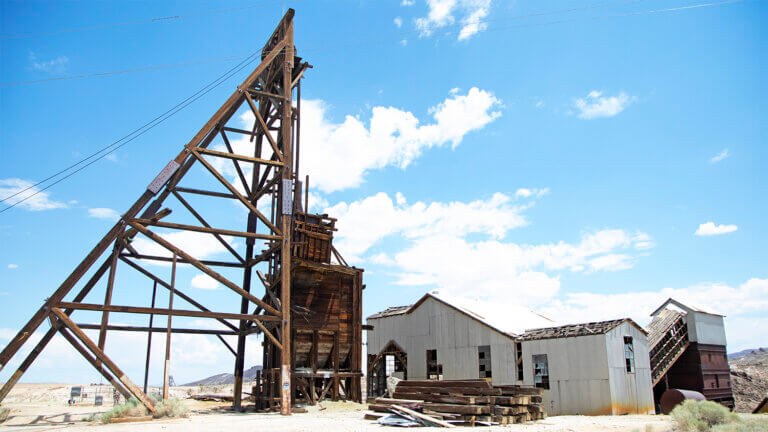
(391, 311)
(574, 330)
(661, 324)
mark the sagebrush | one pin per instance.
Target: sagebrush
(173, 407)
(706, 416)
(4, 412)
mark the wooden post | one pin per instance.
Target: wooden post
(108, 296)
(99, 354)
(336, 361)
(149, 336)
(167, 370)
(285, 253)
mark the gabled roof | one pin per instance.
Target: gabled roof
(574, 330)
(509, 320)
(686, 308)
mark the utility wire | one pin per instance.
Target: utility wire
(387, 36)
(138, 132)
(142, 21)
(103, 152)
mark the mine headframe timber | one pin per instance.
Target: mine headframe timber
(310, 313)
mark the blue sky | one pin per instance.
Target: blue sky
(583, 159)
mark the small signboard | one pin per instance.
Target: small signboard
(98, 400)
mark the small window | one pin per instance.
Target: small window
(434, 370)
(519, 360)
(484, 361)
(717, 381)
(629, 354)
(540, 371)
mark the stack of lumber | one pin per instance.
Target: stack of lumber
(463, 402)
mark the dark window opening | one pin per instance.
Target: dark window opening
(717, 381)
(541, 371)
(629, 354)
(434, 370)
(484, 360)
(519, 360)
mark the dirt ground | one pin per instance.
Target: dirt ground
(43, 407)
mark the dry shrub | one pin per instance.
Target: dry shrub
(131, 408)
(171, 408)
(701, 416)
(747, 423)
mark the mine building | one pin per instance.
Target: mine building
(688, 352)
(592, 368)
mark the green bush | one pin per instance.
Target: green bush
(701, 416)
(749, 423)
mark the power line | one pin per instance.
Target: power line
(386, 36)
(142, 21)
(310, 47)
(136, 133)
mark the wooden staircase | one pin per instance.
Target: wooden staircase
(668, 340)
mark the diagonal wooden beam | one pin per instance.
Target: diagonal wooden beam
(79, 348)
(32, 356)
(264, 127)
(202, 267)
(99, 354)
(235, 162)
(235, 192)
(207, 225)
(176, 291)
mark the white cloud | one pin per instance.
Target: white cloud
(338, 155)
(13, 266)
(720, 156)
(103, 213)
(365, 222)
(539, 104)
(595, 105)
(203, 281)
(439, 235)
(398, 22)
(527, 193)
(441, 13)
(407, 2)
(709, 228)
(53, 65)
(38, 202)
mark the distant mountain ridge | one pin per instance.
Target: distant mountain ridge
(226, 378)
(742, 353)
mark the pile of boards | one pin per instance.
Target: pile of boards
(459, 402)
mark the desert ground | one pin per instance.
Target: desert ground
(43, 407)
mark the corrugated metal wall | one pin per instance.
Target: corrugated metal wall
(433, 325)
(631, 393)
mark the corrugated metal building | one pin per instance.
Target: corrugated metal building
(592, 368)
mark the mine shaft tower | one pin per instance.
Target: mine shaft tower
(310, 312)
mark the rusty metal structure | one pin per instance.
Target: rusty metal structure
(310, 310)
(688, 353)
